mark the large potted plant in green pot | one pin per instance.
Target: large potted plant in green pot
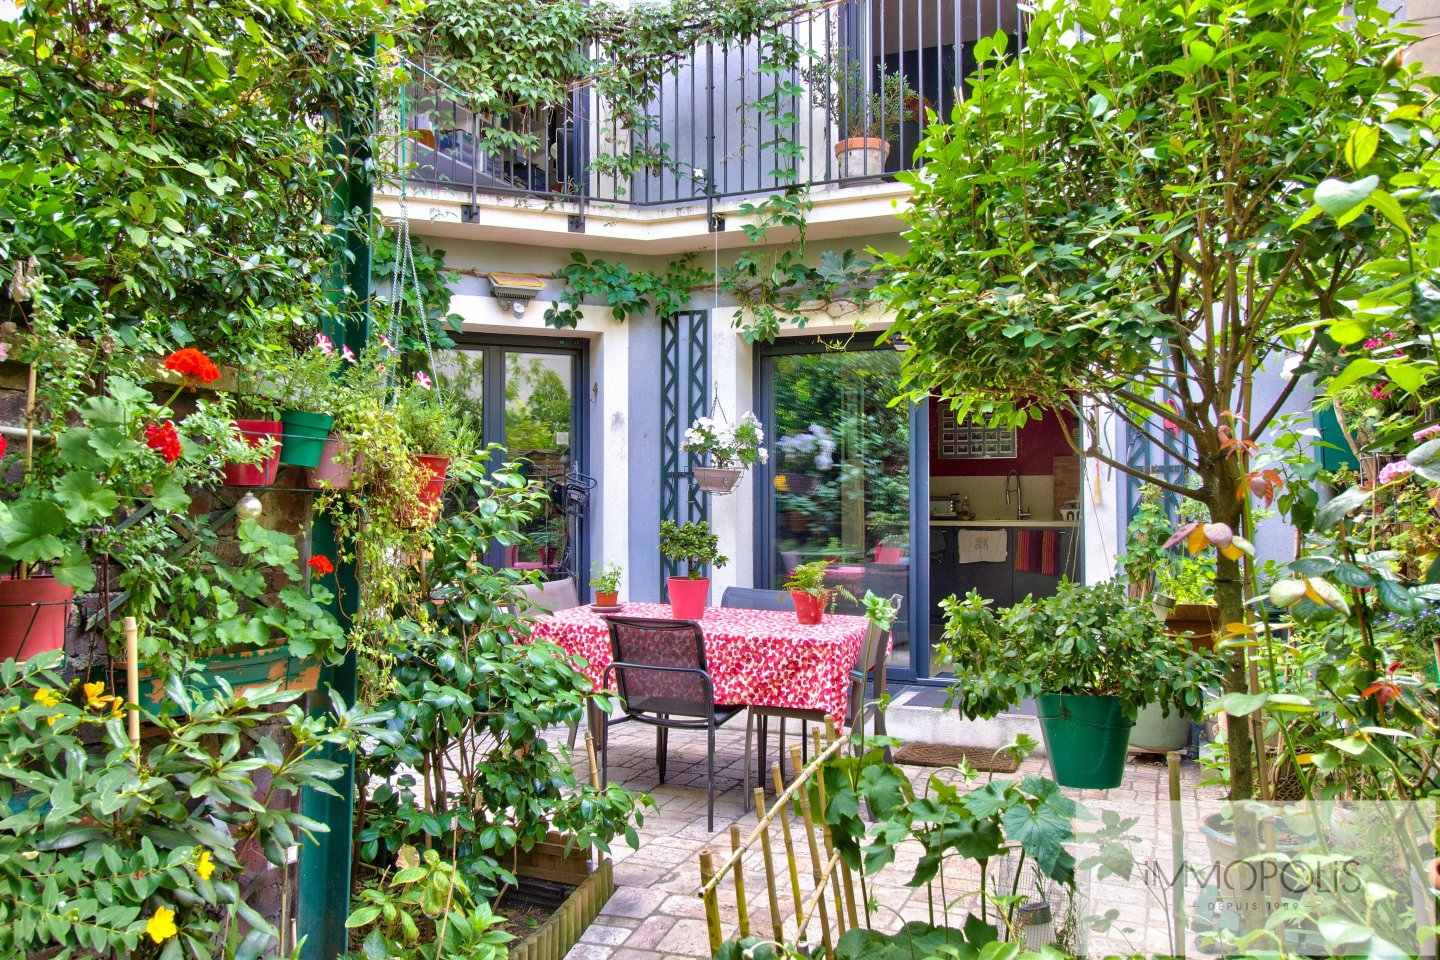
(1090, 656)
(693, 545)
(305, 384)
(806, 584)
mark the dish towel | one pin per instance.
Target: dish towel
(1050, 553)
(1026, 548)
(981, 546)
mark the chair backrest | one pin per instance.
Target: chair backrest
(555, 595)
(870, 660)
(659, 666)
(751, 598)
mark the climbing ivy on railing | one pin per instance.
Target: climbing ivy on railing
(625, 291)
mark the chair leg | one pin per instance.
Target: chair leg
(783, 775)
(749, 731)
(710, 777)
(805, 741)
(763, 736)
(662, 747)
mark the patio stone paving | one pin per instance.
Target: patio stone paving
(654, 914)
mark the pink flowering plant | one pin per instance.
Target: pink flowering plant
(305, 379)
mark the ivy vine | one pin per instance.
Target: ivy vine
(625, 291)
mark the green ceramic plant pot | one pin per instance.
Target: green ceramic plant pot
(305, 435)
(1086, 738)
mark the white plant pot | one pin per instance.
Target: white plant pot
(1154, 733)
(861, 156)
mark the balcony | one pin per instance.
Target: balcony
(722, 126)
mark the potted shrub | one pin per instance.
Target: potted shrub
(305, 384)
(438, 435)
(1179, 585)
(605, 581)
(807, 588)
(868, 115)
(731, 450)
(1091, 656)
(693, 545)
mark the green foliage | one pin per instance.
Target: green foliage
(406, 333)
(742, 445)
(606, 579)
(79, 498)
(626, 292)
(1090, 640)
(471, 692)
(430, 425)
(425, 889)
(100, 839)
(692, 544)
(877, 109)
(168, 168)
(304, 380)
(809, 578)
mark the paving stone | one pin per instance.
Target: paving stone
(650, 933)
(605, 935)
(635, 902)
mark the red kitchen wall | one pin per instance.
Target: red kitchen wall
(1038, 444)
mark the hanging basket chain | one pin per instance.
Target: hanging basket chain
(403, 269)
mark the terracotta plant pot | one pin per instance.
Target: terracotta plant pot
(336, 468)
(687, 597)
(33, 615)
(434, 487)
(611, 599)
(256, 433)
(809, 607)
(862, 156)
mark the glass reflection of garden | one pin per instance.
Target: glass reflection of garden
(842, 473)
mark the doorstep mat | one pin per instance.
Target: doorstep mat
(984, 759)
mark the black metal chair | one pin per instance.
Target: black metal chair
(659, 671)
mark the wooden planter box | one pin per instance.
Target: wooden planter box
(592, 889)
(242, 669)
(1198, 620)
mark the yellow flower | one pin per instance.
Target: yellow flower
(161, 926)
(47, 696)
(204, 866)
(93, 695)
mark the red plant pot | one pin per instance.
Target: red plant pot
(809, 607)
(687, 597)
(262, 474)
(33, 615)
(607, 599)
(434, 487)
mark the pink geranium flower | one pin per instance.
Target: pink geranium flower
(347, 354)
(326, 345)
(1395, 471)
(1426, 433)
(423, 379)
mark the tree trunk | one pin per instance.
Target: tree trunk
(1230, 599)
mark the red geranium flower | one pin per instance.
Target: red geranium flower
(4, 444)
(191, 363)
(321, 564)
(163, 438)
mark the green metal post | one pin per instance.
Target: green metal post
(325, 864)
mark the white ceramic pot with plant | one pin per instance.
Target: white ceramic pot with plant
(731, 451)
(867, 115)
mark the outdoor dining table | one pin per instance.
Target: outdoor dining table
(755, 658)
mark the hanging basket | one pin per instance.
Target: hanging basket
(720, 480)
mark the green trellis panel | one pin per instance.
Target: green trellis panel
(684, 396)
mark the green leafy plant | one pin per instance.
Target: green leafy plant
(625, 291)
(305, 379)
(838, 87)
(606, 578)
(692, 544)
(110, 850)
(425, 911)
(1092, 640)
(473, 693)
(430, 425)
(742, 445)
(809, 578)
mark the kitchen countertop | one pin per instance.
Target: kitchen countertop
(1029, 524)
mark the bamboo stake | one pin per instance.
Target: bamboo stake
(779, 809)
(1177, 857)
(816, 873)
(777, 925)
(844, 877)
(594, 763)
(742, 909)
(795, 784)
(712, 903)
(132, 673)
(830, 847)
(29, 440)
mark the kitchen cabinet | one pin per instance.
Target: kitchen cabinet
(1001, 583)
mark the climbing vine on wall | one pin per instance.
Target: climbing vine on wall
(625, 291)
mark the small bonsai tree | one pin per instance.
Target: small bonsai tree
(691, 544)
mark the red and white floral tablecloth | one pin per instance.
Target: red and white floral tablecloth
(761, 658)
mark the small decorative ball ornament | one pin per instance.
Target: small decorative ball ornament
(249, 506)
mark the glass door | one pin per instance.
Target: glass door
(839, 481)
(529, 395)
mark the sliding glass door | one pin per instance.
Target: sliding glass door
(529, 394)
(839, 485)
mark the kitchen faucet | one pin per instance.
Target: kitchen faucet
(1012, 487)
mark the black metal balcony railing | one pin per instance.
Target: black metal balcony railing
(871, 69)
